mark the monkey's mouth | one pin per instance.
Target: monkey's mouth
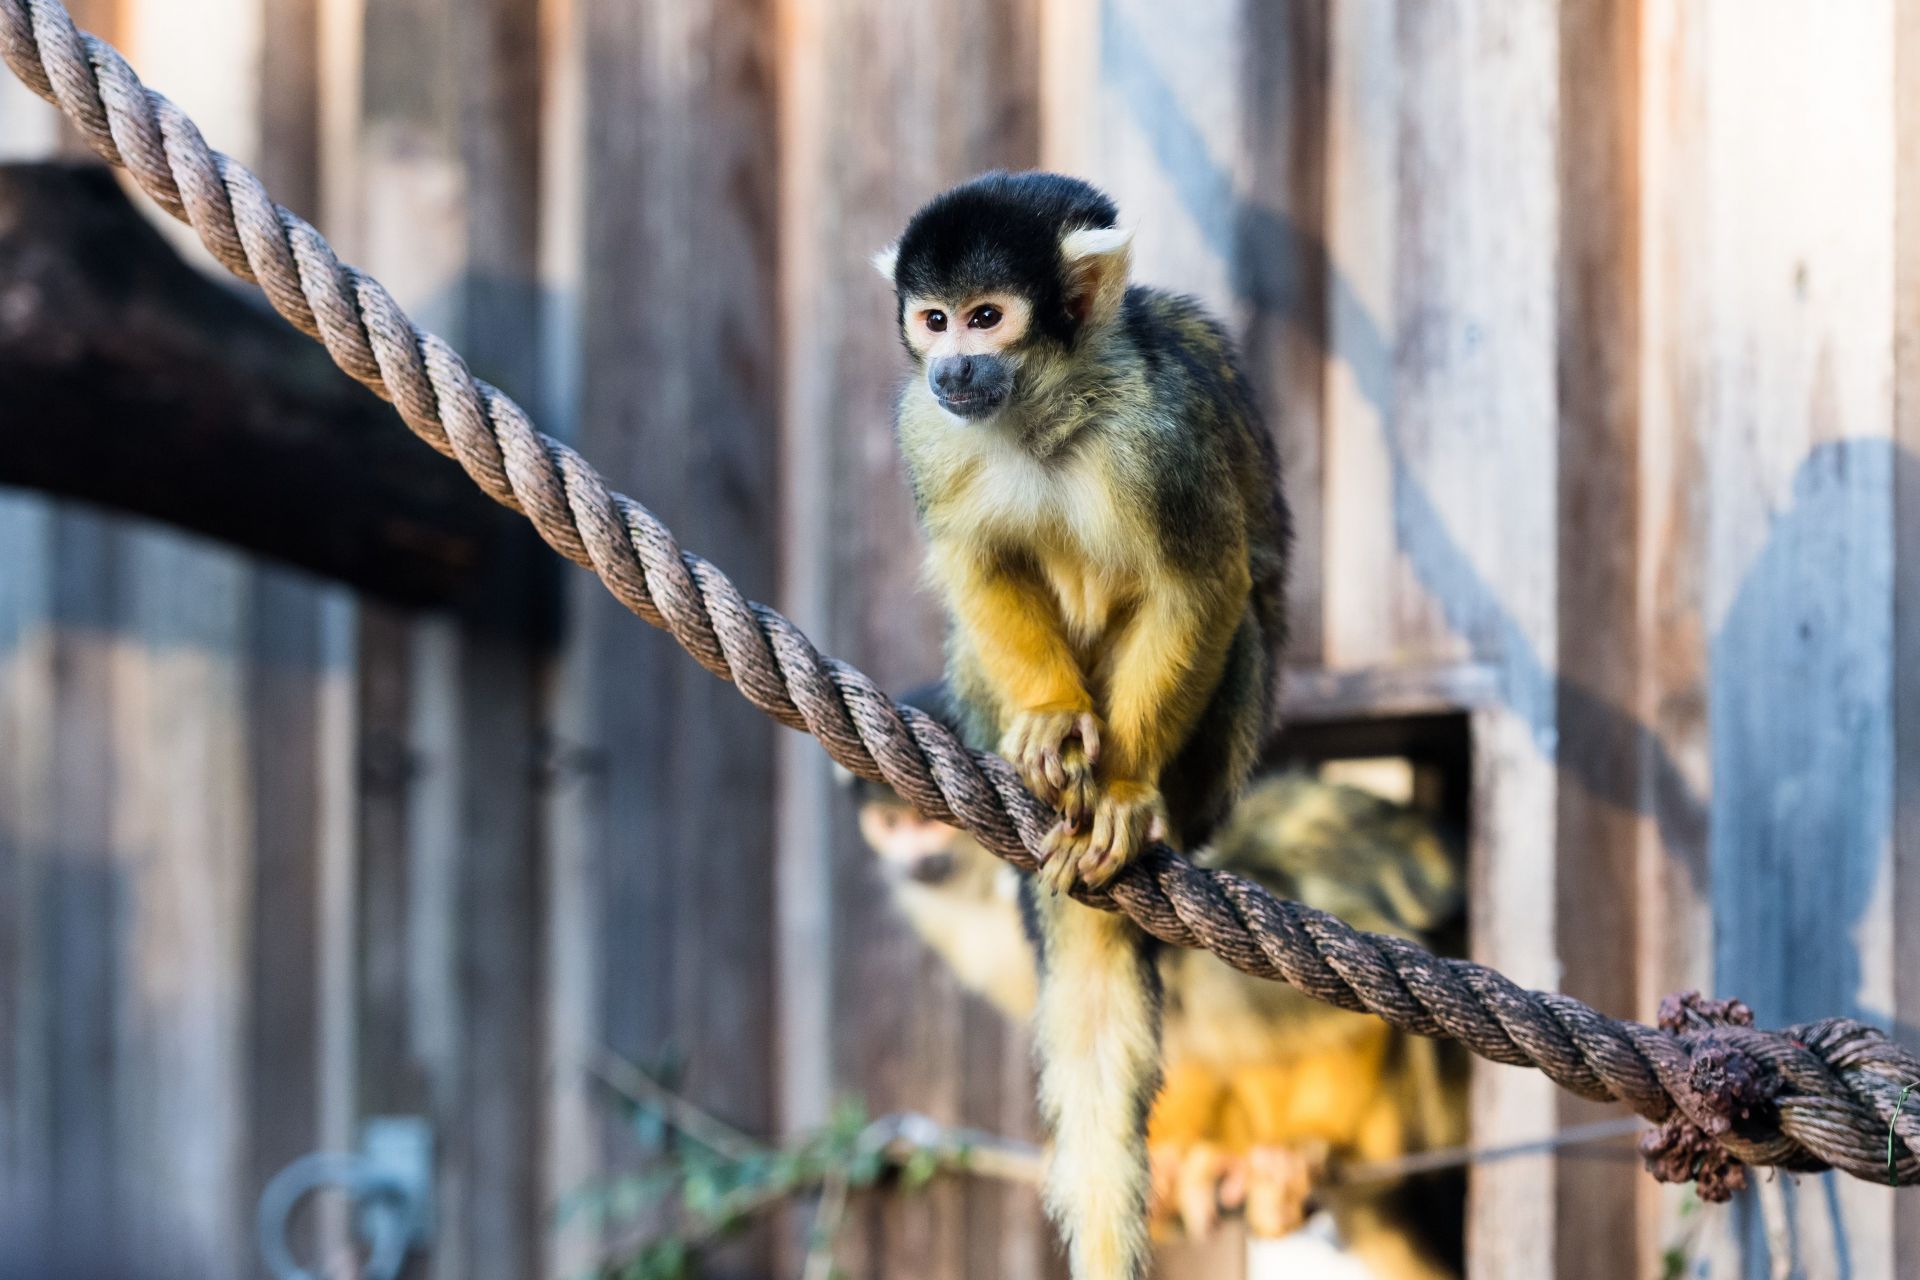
(973, 404)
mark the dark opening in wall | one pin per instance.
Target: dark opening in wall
(1424, 762)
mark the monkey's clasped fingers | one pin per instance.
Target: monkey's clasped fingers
(1126, 817)
(1055, 752)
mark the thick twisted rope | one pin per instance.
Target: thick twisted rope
(1824, 1095)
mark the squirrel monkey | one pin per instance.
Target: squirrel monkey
(1106, 531)
(1261, 1081)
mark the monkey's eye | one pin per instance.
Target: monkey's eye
(936, 321)
(984, 317)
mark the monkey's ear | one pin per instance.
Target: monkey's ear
(1098, 261)
(884, 261)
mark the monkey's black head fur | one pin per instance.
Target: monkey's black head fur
(1001, 230)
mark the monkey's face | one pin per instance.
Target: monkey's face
(970, 347)
(996, 282)
(907, 844)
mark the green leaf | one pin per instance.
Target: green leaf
(669, 1260)
(849, 1119)
(701, 1194)
(920, 1169)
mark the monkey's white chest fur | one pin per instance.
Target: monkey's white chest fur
(1061, 514)
(1021, 499)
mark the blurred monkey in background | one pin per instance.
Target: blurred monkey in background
(1267, 1092)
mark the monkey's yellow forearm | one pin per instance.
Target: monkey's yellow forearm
(1014, 631)
(1163, 671)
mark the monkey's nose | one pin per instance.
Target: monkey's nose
(953, 375)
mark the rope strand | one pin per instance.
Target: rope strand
(1819, 1096)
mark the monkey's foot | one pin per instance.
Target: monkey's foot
(1276, 1185)
(1055, 752)
(1126, 817)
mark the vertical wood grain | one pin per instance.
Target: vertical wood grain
(1282, 270)
(284, 675)
(182, 826)
(83, 888)
(678, 404)
(803, 846)
(289, 103)
(289, 671)
(1800, 543)
(1474, 403)
(1906, 550)
(1777, 370)
(448, 146)
(1673, 902)
(573, 789)
(1360, 569)
(1602, 747)
(29, 1191)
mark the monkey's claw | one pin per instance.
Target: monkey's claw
(1126, 816)
(1055, 752)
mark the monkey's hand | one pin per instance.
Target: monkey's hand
(1126, 817)
(1277, 1184)
(1055, 751)
(1191, 1183)
(1271, 1185)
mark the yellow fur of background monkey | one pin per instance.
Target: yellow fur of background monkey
(1260, 1081)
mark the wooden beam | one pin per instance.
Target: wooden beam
(133, 382)
(1319, 694)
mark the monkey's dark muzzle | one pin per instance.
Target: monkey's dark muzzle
(933, 868)
(970, 386)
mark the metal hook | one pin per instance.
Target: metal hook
(390, 1182)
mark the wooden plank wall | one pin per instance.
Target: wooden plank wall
(442, 139)
(678, 361)
(1587, 335)
(1603, 746)
(169, 821)
(1775, 378)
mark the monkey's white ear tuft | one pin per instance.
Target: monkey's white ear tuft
(1095, 242)
(884, 261)
(1098, 261)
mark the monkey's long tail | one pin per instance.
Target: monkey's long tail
(1097, 1033)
